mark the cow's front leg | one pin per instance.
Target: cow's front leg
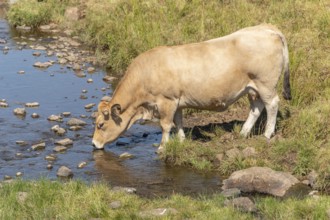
(167, 109)
(178, 124)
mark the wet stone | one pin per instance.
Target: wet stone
(89, 106)
(66, 114)
(4, 105)
(42, 65)
(3, 41)
(39, 146)
(83, 97)
(89, 80)
(90, 69)
(55, 118)
(19, 174)
(7, 177)
(32, 104)
(58, 130)
(59, 149)
(51, 157)
(36, 54)
(21, 143)
(109, 78)
(64, 142)
(76, 67)
(76, 122)
(75, 128)
(21, 72)
(84, 91)
(64, 171)
(49, 166)
(35, 115)
(19, 111)
(82, 164)
(80, 74)
(126, 155)
(39, 47)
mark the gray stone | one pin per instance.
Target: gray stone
(21, 72)
(129, 190)
(4, 105)
(89, 106)
(64, 171)
(109, 78)
(76, 122)
(249, 152)
(115, 205)
(89, 80)
(126, 155)
(66, 114)
(58, 130)
(75, 128)
(19, 174)
(32, 104)
(231, 193)
(262, 180)
(36, 54)
(42, 65)
(51, 157)
(90, 69)
(19, 111)
(64, 142)
(243, 204)
(59, 149)
(233, 153)
(39, 146)
(35, 115)
(82, 164)
(76, 67)
(55, 118)
(21, 143)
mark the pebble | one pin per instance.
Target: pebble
(58, 130)
(66, 114)
(32, 104)
(19, 111)
(64, 142)
(40, 48)
(126, 155)
(4, 105)
(18, 174)
(21, 72)
(35, 115)
(59, 149)
(89, 106)
(21, 143)
(36, 54)
(82, 164)
(75, 128)
(39, 146)
(51, 157)
(84, 91)
(90, 69)
(55, 118)
(76, 67)
(109, 78)
(89, 80)
(3, 41)
(80, 74)
(76, 122)
(42, 65)
(49, 166)
(6, 177)
(64, 171)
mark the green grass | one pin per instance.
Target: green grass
(47, 199)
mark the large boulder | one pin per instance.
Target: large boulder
(262, 180)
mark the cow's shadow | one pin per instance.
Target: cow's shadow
(200, 133)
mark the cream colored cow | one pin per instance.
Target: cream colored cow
(208, 75)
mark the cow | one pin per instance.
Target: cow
(210, 75)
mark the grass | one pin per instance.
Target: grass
(47, 199)
(119, 30)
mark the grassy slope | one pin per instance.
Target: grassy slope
(120, 30)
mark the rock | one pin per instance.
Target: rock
(64, 171)
(126, 156)
(75, 128)
(39, 146)
(64, 142)
(89, 106)
(55, 118)
(6, 177)
(62, 61)
(21, 72)
(40, 48)
(23, 28)
(249, 152)
(35, 115)
(20, 111)
(80, 74)
(231, 193)
(233, 153)
(89, 80)
(84, 91)
(42, 65)
(262, 180)
(243, 204)
(3, 41)
(129, 190)
(72, 14)
(76, 67)
(90, 69)
(66, 114)
(22, 196)
(76, 122)
(19, 174)
(82, 164)
(45, 27)
(4, 105)
(32, 104)
(49, 166)
(123, 142)
(51, 157)
(58, 130)
(159, 212)
(36, 54)
(109, 78)
(21, 143)
(59, 149)
(115, 205)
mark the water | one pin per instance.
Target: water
(58, 90)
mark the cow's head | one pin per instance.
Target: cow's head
(108, 124)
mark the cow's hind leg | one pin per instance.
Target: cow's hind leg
(256, 106)
(179, 125)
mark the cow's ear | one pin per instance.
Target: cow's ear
(104, 109)
(115, 113)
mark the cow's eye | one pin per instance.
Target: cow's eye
(100, 125)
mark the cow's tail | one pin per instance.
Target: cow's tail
(286, 80)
